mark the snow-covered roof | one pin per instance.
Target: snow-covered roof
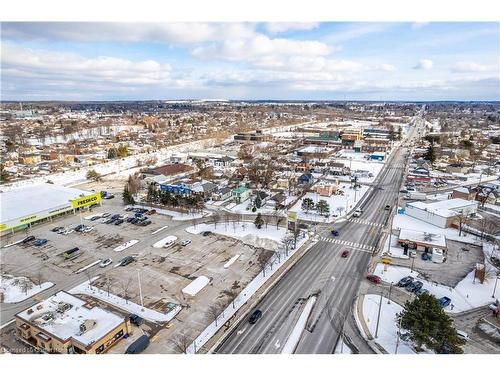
(55, 316)
(432, 239)
(196, 285)
(28, 200)
(446, 208)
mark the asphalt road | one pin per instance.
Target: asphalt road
(323, 272)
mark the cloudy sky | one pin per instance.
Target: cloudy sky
(310, 61)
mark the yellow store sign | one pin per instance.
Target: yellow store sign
(87, 200)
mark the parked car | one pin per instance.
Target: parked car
(130, 209)
(40, 242)
(426, 256)
(79, 227)
(444, 302)
(463, 335)
(374, 279)
(94, 218)
(345, 254)
(28, 239)
(421, 291)
(125, 261)
(414, 286)
(103, 194)
(185, 242)
(67, 231)
(136, 320)
(109, 196)
(106, 214)
(405, 281)
(151, 212)
(146, 223)
(115, 216)
(254, 317)
(56, 229)
(138, 345)
(335, 233)
(206, 233)
(109, 221)
(134, 220)
(105, 262)
(129, 219)
(87, 229)
(119, 221)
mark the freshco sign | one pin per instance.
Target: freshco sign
(87, 200)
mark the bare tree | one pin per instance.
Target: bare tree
(463, 219)
(213, 312)
(267, 219)
(107, 283)
(37, 278)
(89, 274)
(25, 285)
(125, 287)
(181, 342)
(262, 261)
(215, 218)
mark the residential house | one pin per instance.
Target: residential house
(241, 194)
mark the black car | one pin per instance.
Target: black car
(254, 317)
(405, 281)
(206, 233)
(145, 223)
(387, 207)
(414, 287)
(28, 239)
(125, 261)
(109, 221)
(128, 209)
(115, 216)
(129, 219)
(136, 320)
(94, 218)
(57, 229)
(119, 221)
(134, 220)
(79, 228)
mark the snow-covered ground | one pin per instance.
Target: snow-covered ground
(128, 306)
(294, 338)
(169, 239)
(466, 295)
(126, 245)
(267, 238)
(388, 329)
(340, 205)
(17, 289)
(180, 216)
(242, 298)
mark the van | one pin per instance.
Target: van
(138, 345)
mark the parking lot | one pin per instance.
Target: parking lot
(164, 272)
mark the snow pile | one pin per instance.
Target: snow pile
(17, 289)
(267, 238)
(293, 339)
(121, 303)
(164, 241)
(231, 261)
(468, 293)
(241, 299)
(196, 285)
(387, 336)
(126, 245)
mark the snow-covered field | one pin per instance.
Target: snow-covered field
(17, 289)
(180, 216)
(247, 232)
(466, 295)
(340, 205)
(387, 330)
(128, 306)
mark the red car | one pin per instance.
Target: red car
(345, 254)
(374, 279)
(151, 212)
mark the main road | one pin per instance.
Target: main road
(324, 273)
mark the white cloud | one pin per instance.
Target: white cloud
(281, 27)
(419, 25)
(424, 64)
(471, 67)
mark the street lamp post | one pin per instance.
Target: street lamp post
(389, 298)
(378, 314)
(495, 288)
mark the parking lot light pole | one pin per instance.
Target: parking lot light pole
(378, 315)
(495, 288)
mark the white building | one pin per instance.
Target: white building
(442, 213)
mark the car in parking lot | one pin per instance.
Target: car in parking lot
(414, 286)
(56, 229)
(105, 262)
(387, 207)
(256, 315)
(109, 196)
(125, 261)
(185, 242)
(444, 302)
(405, 281)
(421, 291)
(463, 335)
(136, 320)
(128, 209)
(94, 218)
(345, 254)
(119, 221)
(374, 279)
(145, 223)
(40, 242)
(79, 227)
(87, 229)
(426, 256)
(28, 239)
(206, 233)
(129, 219)
(109, 221)
(106, 214)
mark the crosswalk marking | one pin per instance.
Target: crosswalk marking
(366, 222)
(358, 246)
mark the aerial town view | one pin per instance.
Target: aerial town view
(250, 188)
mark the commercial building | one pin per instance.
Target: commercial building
(24, 207)
(64, 324)
(443, 213)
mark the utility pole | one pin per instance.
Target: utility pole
(140, 289)
(378, 315)
(495, 288)
(412, 262)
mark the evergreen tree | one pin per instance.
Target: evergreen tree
(307, 204)
(323, 207)
(112, 153)
(127, 196)
(259, 221)
(427, 324)
(431, 153)
(93, 175)
(258, 201)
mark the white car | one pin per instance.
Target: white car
(68, 231)
(105, 262)
(87, 229)
(463, 335)
(185, 242)
(104, 220)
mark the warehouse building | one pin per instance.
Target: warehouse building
(443, 213)
(66, 324)
(24, 207)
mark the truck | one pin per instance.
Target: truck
(71, 253)
(138, 345)
(416, 195)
